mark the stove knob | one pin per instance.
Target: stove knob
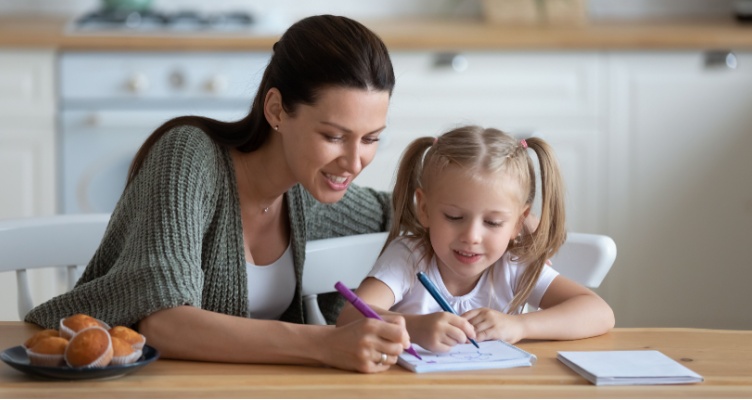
(217, 84)
(138, 83)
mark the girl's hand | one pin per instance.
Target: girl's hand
(359, 345)
(440, 331)
(494, 325)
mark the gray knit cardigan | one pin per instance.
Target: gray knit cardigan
(175, 238)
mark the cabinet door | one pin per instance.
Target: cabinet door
(27, 134)
(680, 205)
(27, 154)
(556, 96)
(26, 171)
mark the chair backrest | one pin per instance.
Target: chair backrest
(347, 259)
(36, 242)
(584, 258)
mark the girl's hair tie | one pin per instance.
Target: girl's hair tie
(523, 143)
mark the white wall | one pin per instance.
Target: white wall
(295, 9)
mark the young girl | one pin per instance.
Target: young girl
(460, 202)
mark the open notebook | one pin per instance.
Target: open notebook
(628, 367)
(466, 357)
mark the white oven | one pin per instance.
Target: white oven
(110, 103)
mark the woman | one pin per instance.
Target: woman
(211, 227)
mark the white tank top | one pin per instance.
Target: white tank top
(271, 288)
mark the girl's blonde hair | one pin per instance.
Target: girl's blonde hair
(479, 150)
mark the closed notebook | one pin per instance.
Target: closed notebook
(628, 367)
(466, 357)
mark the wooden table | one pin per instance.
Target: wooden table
(723, 358)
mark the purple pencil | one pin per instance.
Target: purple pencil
(364, 309)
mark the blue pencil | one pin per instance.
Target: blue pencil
(435, 293)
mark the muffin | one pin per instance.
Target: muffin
(30, 342)
(89, 348)
(123, 352)
(69, 326)
(47, 351)
(135, 339)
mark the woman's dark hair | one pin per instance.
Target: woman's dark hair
(314, 53)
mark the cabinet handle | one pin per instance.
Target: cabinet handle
(456, 62)
(93, 120)
(721, 59)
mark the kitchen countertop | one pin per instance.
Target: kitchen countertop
(408, 34)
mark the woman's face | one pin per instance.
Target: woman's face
(327, 144)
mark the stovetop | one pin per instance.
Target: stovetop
(156, 21)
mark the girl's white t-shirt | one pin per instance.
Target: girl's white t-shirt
(400, 262)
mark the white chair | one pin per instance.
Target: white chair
(36, 242)
(347, 259)
(584, 258)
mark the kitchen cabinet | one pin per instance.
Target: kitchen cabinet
(679, 189)
(27, 153)
(654, 147)
(556, 95)
(27, 133)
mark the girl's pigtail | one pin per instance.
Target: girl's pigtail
(552, 231)
(405, 219)
(538, 246)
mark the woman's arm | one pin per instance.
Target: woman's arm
(191, 333)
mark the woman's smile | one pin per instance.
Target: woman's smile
(337, 182)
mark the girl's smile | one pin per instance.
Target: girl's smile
(466, 257)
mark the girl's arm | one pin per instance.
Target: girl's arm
(191, 333)
(437, 332)
(568, 311)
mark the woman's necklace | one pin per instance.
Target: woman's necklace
(264, 209)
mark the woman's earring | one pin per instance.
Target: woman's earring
(276, 127)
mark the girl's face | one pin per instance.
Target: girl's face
(329, 143)
(470, 221)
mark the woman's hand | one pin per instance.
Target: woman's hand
(362, 344)
(494, 325)
(439, 331)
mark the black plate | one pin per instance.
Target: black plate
(16, 357)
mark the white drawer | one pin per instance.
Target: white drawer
(175, 77)
(476, 84)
